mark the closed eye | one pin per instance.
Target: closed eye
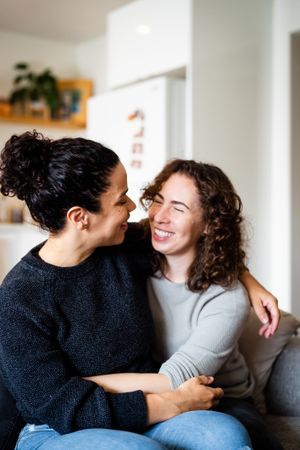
(178, 209)
(158, 201)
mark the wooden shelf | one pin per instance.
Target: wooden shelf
(16, 226)
(36, 121)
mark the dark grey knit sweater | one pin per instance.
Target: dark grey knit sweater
(58, 324)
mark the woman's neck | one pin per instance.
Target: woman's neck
(64, 250)
(177, 267)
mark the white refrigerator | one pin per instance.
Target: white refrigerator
(144, 124)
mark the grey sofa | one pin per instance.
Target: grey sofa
(283, 396)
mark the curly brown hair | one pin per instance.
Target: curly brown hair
(220, 254)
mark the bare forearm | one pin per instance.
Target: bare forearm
(163, 404)
(264, 304)
(249, 281)
(127, 382)
(161, 407)
(192, 395)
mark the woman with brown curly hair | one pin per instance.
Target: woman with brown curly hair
(198, 304)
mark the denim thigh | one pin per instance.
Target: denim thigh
(42, 437)
(201, 430)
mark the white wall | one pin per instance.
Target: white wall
(286, 22)
(91, 60)
(39, 53)
(231, 62)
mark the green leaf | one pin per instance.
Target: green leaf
(36, 86)
(21, 66)
(18, 79)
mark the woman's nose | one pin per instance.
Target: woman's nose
(161, 215)
(130, 204)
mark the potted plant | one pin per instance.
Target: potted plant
(34, 90)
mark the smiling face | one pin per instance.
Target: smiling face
(176, 218)
(108, 226)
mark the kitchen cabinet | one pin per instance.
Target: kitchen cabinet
(15, 241)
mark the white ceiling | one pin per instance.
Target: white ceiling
(71, 21)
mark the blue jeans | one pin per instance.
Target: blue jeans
(195, 430)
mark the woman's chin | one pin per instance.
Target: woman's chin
(158, 246)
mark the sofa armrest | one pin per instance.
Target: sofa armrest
(283, 389)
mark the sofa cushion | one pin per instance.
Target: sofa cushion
(260, 353)
(283, 389)
(286, 429)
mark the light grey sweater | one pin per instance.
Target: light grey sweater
(197, 333)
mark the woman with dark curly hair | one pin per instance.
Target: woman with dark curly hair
(198, 304)
(76, 305)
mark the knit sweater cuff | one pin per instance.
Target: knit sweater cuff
(129, 409)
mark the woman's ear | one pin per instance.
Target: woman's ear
(78, 217)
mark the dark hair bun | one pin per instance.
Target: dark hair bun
(24, 164)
